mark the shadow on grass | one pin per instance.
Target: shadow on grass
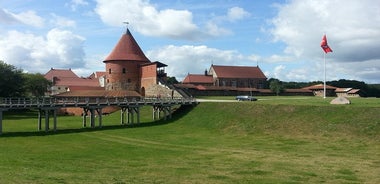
(177, 114)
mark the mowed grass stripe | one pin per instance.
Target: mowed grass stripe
(166, 146)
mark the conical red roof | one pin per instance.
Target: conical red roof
(127, 49)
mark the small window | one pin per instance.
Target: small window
(109, 71)
(108, 81)
(129, 80)
(123, 70)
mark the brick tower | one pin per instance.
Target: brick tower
(123, 65)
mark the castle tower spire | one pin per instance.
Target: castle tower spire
(123, 64)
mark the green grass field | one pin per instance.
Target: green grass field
(273, 140)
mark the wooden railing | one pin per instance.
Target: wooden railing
(26, 103)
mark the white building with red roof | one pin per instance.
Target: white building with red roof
(64, 80)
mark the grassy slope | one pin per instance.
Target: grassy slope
(212, 143)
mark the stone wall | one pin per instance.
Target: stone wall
(157, 90)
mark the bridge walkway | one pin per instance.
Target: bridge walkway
(92, 106)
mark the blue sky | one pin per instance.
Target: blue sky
(282, 37)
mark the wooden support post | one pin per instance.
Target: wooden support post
(138, 114)
(133, 115)
(55, 119)
(46, 120)
(158, 113)
(99, 111)
(1, 121)
(84, 116)
(165, 113)
(92, 118)
(170, 112)
(39, 126)
(154, 113)
(122, 115)
(129, 115)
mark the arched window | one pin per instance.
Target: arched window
(109, 71)
(123, 70)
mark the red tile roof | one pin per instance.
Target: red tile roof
(97, 74)
(298, 90)
(198, 78)
(319, 87)
(99, 93)
(127, 49)
(60, 73)
(342, 90)
(354, 91)
(78, 88)
(238, 72)
(69, 81)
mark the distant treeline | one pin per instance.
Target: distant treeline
(368, 90)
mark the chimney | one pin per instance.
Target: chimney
(206, 73)
(54, 80)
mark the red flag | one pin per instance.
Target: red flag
(324, 45)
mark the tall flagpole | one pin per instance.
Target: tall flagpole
(324, 70)
(326, 49)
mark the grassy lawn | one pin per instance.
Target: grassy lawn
(281, 140)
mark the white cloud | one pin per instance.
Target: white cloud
(59, 49)
(213, 26)
(147, 19)
(61, 22)
(28, 17)
(170, 23)
(278, 58)
(237, 13)
(277, 72)
(352, 28)
(7, 17)
(193, 59)
(215, 30)
(74, 4)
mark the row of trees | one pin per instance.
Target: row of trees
(15, 83)
(368, 90)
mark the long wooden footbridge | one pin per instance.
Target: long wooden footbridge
(92, 106)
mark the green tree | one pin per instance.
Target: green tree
(11, 81)
(36, 84)
(276, 86)
(172, 80)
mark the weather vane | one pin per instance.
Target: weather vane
(126, 23)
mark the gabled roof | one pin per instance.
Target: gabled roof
(157, 63)
(59, 73)
(238, 72)
(98, 93)
(354, 91)
(127, 49)
(97, 74)
(319, 87)
(79, 88)
(70, 81)
(302, 90)
(198, 78)
(342, 90)
(347, 90)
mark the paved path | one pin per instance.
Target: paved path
(214, 100)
